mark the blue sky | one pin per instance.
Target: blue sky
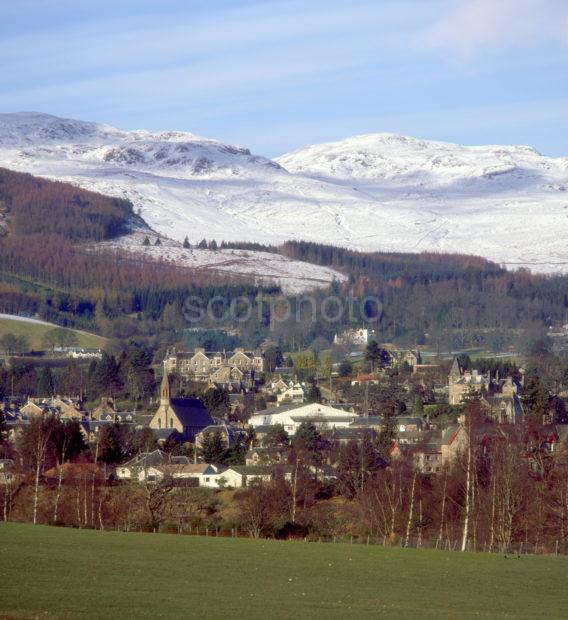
(280, 74)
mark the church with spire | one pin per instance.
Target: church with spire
(182, 416)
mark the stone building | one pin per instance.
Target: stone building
(200, 365)
(463, 382)
(187, 416)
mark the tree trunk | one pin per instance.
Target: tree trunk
(443, 511)
(465, 531)
(58, 494)
(410, 511)
(93, 484)
(36, 489)
(492, 529)
(294, 490)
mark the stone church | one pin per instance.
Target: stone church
(187, 416)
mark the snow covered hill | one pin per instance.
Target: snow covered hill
(507, 203)
(375, 192)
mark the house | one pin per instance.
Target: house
(196, 474)
(357, 337)
(279, 385)
(105, 410)
(63, 408)
(294, 394)
(404, 424)
(73, 473)
(461, 383)
(32, 410)
(7, 471)
(228, 376)
(362, 379)
(372, 422)
(68, 408)
(187, 474)
(92, 428)
(433, 451)
(269, 455)
(504, 408)
(408, 424)
(353, 433)
(230, 435)
(145, 460)
(187, 416)
(411, 358)
(248, 362)
(244, 475)
(85, 353)
(292, 416)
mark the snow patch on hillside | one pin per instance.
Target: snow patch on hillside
(293, 277)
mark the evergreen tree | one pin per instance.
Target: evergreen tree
(535, 397)
(186, 243)
(345, 368)
(45, 384)
(275, 436)
(314, 395)
(158, 242)
(110, 444)
(104, 379)
(146, 242)
(376, 356)
(202, 245)
(217, 402)
(212, 447)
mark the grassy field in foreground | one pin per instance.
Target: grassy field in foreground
(65, 573)
(35, 332)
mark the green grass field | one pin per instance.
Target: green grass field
(35, 332)
(64, 573)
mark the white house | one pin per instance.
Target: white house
(293, 395)
(290, 417)
(203, 474)
(358, 337)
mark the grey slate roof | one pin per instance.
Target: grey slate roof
(191, 412)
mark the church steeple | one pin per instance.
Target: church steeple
(165, 389)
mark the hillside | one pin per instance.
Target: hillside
(379, 192)
(263, 268)
(34, 331)
(91, 574)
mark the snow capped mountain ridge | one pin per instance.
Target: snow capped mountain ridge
(396, 158)
(380, 191)
(49, 137)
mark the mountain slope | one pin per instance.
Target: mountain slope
(505, 203)
(376, 192)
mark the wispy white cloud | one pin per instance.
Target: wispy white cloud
(475, 27)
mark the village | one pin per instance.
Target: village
(304, 426)
(249, 437)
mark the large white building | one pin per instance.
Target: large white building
(290, 417)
